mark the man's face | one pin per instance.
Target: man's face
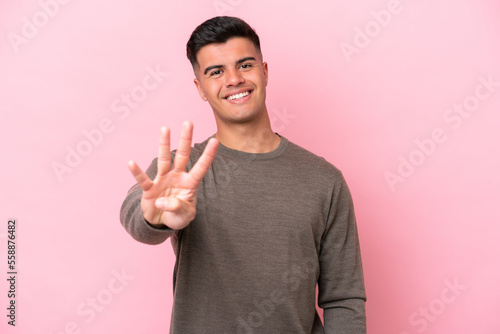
(232, 78)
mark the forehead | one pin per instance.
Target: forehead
(226, 53)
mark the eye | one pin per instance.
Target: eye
(216, 73)
(246, 66)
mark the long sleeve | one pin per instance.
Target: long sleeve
(341, 285)
(133, 220)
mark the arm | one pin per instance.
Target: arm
(164, 198)
(341, 286)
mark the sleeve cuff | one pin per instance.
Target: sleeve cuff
(157, 228)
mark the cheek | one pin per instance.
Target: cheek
(212, 91)
(261, 80)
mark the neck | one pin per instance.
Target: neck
(248, 137)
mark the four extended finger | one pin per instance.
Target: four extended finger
(164, 158)
(142, 179)
(184, 149)
(203, 164)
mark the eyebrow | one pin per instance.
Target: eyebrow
(213, 67)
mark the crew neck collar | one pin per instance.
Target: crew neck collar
(224, 150)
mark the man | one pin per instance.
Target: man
(255, 221)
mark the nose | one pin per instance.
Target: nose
(234, 77)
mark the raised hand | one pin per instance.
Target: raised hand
(170, 199)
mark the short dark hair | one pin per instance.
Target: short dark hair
(219, 29)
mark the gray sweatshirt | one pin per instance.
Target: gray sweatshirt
(269, 228)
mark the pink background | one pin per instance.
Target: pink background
(434, 226)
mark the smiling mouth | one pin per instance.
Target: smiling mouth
(238, 96)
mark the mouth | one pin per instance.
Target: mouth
(239, 97)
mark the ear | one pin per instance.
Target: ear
(200, 91)
(266, 71)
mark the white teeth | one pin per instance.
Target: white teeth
(237, 96)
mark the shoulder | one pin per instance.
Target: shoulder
(314, 163)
